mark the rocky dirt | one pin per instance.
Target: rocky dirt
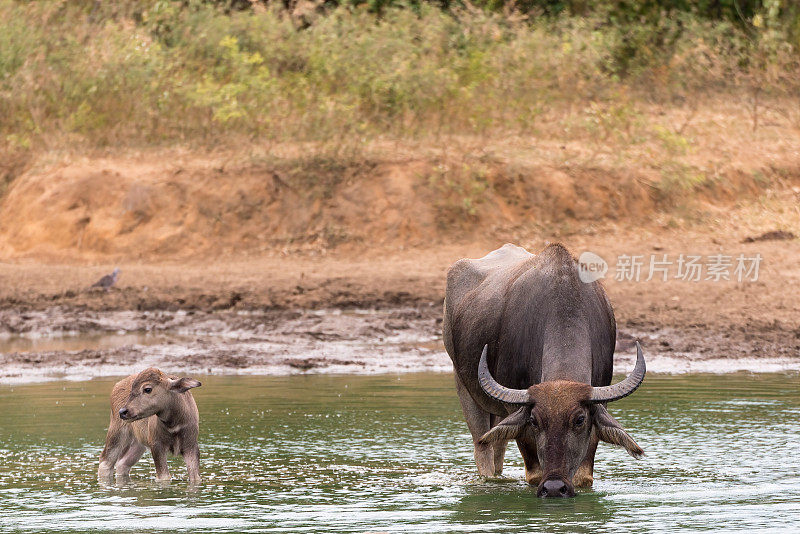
(206, 342)
(380, 312)
(238, 263)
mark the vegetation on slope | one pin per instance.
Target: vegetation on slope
(168, 72)
(489, 117)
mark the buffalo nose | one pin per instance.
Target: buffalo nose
(123, 413)
(555, 488)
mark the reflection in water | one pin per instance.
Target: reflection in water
(391, 453)
(80, 341)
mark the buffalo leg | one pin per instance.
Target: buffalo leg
(479, 423)
(499, 447)
(533, 471)
(584, 476)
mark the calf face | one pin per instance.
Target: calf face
(151, 392)
(557, 428)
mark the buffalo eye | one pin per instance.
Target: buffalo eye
(580, 420)
(147, 389)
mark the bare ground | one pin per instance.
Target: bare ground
(247, 262)
(382, 312)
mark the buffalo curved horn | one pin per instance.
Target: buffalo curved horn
(624, 388)
(494, 389)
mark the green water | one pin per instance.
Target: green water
(391, 453)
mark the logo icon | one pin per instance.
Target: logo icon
(591, 267)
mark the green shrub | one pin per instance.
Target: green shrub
(162, 71)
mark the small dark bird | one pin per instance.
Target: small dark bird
(108, 281)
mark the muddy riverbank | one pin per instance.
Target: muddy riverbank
(277, 342)
(60, 343)
(373, 312)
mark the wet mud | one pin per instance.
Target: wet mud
(375, 312)
(64, 343)
(208, 342)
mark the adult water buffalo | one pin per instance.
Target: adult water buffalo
(532, 348)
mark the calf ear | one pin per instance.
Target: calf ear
(182, 385)
(609, 430)
(508, 428)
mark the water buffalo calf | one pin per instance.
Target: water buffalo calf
(151, 410)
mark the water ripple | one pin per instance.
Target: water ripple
(393, 454)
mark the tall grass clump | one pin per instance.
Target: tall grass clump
(162, 72)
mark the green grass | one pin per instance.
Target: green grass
(161, 72)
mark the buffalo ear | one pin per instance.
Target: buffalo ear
(509, 428)
(182, 385)
(609, 430)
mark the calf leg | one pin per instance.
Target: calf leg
(479, 423)
(118, 440)
(129, 459)
(160, 459)
(192, 459)
(584, 476)
(108, 458)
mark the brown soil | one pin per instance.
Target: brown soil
(225, 233)
(205, 342)
(685, 320)
(179, 204)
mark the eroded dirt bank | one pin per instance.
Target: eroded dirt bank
(186, 204)
(255, 269)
